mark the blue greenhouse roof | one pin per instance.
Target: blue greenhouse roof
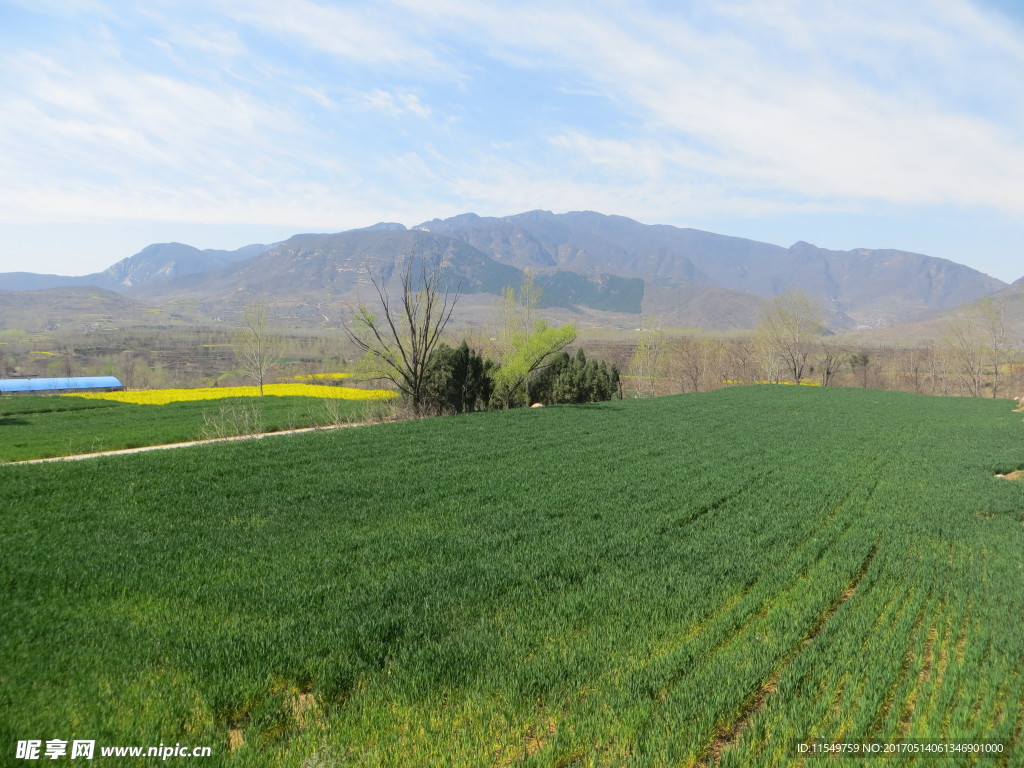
(59, 384)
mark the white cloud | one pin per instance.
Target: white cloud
(396, 103)
(747, 108)
(318, 95)
(105, 141)
(68, 8)
(224, 43)
(364, 34)
(815, 99)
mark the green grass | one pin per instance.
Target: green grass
(647, 583)
(43, 427)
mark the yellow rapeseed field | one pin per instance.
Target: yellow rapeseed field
(314, 376)
(164, 396)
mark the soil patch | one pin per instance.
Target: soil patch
(1017, 474)
(304, 709)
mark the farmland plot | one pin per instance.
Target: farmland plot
(699, 580)
(42, 427)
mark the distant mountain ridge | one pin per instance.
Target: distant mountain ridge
(857, 287)
(160, 261)
(608, 268)
(164, 261)
(308, 269)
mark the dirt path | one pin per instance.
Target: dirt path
(166, 446)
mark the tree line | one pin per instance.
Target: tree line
(973, 356)
(523, 360)
(401, 338)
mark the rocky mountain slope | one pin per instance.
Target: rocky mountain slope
(860, 287)
(307, 273)
(610, 269)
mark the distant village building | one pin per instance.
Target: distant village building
(60, 385)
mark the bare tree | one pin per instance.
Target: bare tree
(739, 361)
(913, 365)
(992, 319)
(965, 342)
(398, 344)
(67, 356)
(830, 363)
(939, 369)
(646, 361)
(768, 360)
(787, 330)
(257, 349)
(691, 361)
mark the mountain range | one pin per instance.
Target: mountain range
(154, 263)
(606, 270)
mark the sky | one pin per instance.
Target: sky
(868, 124)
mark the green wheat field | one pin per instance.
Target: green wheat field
(695, 580)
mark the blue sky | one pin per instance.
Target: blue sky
(868, 124)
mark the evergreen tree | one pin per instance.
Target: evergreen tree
(457, 380)
(574, 380)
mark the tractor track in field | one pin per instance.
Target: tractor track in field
(190, 443)
(716, 504)
(751, 617)
(728, 736)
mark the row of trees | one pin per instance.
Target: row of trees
(575, 380)
(460, 380)
(524, 360)
(401, 341)
(972, 357)
(979, 342)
